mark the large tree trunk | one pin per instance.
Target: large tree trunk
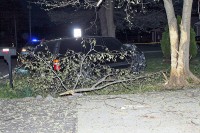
(110, 17)
(107, 19)
(180, 72)
(103, 21)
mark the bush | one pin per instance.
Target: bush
(165, 42)
(193, 43)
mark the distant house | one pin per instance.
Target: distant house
(197, 28)
(156, 35)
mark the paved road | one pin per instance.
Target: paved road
(155, 112)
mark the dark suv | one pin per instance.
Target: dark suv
(133, 57)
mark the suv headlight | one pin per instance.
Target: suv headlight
(24, 50)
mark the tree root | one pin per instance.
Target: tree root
(182, 81)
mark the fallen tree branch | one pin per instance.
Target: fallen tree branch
(94, 87)
(5, 76)
(36, 56)
(81, 66)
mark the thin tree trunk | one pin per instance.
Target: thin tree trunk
(173, 32)
(185, 39)
(185, 36)
(180, 72)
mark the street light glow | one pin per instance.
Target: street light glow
(77, 33)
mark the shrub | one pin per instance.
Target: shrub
(165, 42)
(193, 43)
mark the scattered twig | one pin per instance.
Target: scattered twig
(5, 76)
(165, 76)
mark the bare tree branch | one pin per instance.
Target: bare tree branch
(96, 87)
(99, 2)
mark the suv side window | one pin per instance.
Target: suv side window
(111, 43)
(51, 46)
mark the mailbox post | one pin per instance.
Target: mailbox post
(7, 52)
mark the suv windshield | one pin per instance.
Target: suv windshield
(77, 45)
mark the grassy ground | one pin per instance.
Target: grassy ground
(18, 92)
(155, 64)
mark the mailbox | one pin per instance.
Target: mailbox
(7, 52)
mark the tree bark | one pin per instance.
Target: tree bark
(185, 35)
(173, 32)
(103, 21)
(107, 19)
(180, 72)
(110, 18)
(185, 40)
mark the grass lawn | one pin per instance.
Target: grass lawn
(155, 63)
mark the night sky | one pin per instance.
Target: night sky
(41, 24)
(15, 16)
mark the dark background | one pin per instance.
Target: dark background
(15, 28)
